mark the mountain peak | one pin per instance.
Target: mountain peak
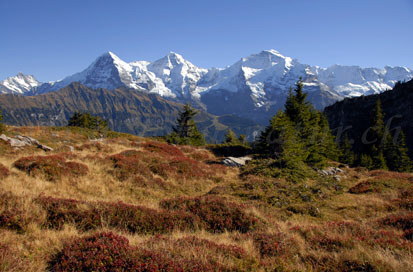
(109, 55)
(20, 83)
(273, 52)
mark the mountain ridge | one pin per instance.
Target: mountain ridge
(254, 87)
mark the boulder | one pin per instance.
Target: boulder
(22, 141)
(236, 162)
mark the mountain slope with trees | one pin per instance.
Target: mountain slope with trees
(352, 117)
(125, 110)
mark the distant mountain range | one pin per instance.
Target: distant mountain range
(254, 87)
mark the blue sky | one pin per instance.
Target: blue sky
(53, 39)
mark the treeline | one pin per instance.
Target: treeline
(299, 136)
(383, 147)
(86, 120)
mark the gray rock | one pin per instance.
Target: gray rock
(28, 140)
(22, 141)
(236, 162)
(45, 147)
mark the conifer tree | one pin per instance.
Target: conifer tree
(186, 131)
(378, 132)
(365, 160)
(310, 130)
(86, 120)
(242, 139)
(396, 154)
(346, 153)
(279, 140)
(231, 138)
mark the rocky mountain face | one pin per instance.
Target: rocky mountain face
(354, 115)
(255, 87)
(125, 109)
(20, 84)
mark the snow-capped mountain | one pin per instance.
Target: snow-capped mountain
(18, 84)
(178, 74)
(350, 81)
(257, 84)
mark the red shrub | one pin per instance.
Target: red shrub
(61, 211)
(400, 221)
(12, 214)
(217, 214)
(276, 244)
(104, 252)
(364, 187)
(52, 167)
(330, 242)
(186, 168)
(135, 219)
(408, 234)
(129, 163)
(4, 172)
(406, 203)
(163, 149)
(200, 155)
(139, 219)
(94, 146)
(405, 200)
(391, 175)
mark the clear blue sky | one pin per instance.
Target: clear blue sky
(52, 39)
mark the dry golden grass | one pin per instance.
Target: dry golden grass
(307, 241)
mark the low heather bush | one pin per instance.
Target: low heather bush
(131, 163)
(61, 211)
(111, 252)
(408, 234)
(91, 215)
(216, 214)
(4, 172)
(382, 174)
(276, 244)
(139, 219)
(104, 252)
(364, 187)
(163, 149)
(13, 214)
(128, 164)
(402, 221)
(52, 167)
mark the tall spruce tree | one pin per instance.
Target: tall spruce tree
(378, 132)
(395, 151)
(311, 132)
(231, 138)
(280, 141)
(186, 131)
(346, 153)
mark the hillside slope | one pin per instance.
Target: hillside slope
(356, 113)
(126, 110)
(129, 203)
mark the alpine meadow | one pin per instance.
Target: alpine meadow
(131, 162)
